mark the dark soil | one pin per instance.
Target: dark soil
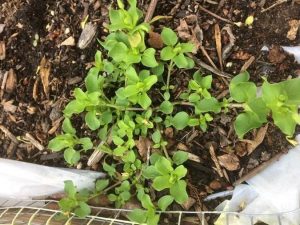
(50, 22)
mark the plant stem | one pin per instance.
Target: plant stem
(183, 103)
(124, 108)
(236, 105)
(170, 67)
(106, 190)
(166, 152)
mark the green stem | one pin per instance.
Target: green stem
(170, 67)
(104, 191)
(123, 108)
(166, 152)
(236, 105)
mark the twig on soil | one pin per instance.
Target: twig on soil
(211, 69)
(34, 142)
(219, 44)
(215, 160)
(207, 56)
(96, 156)
(258, 169)
(3, 84)
(174, 9)
(275, 4)
(9, 134)
(247, 64)
(215, 15)
(150, 10)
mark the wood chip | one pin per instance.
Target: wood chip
(8, 106)
(215, 160)
(9, 134)
(35, 88)
(11, 82)
(219, 44)
(34, 142)
(70, 41)
(294, 26)
(87, 35)
(260, 136)
(3, 83)
(44, 72)
(96, 155)
(189, 203)
(247, 64)
(229, 161)
(2, 50)
(2, 27)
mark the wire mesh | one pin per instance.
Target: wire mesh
(46, 212)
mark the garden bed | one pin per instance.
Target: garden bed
(42, 64)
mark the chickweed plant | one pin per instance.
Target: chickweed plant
(117, 103)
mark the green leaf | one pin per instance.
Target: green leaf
(70, 189)
(180, 61)
(148, 58)
(206, 82)
(161, 182)
(283, 118)
(109, 169)
(169, 37)
(154, 157)
(194, 97)
(86, 143)
(191, 63)
(92, 82)
(241, 90)
(180, 172)
(92, 120)
(106, 117)
(138, 216)
(258, 106)
(187, 47)
(130, 90)
(71, 156)
(178, 191)
(166, 107)
(144, 100)
(158, 70)
(146, 201)
(67, 204)
(149, 82)
(61, 142)
(180, 157)
(119, 151)
(193, 122)
(119, 52)
(98, 59)
(180, 120)
(163, 166)
(167, 53)
(246, 122)
(117, 140)
(150, 172)
(156, 136)
(67, 126)
(101, 185)
(164, 202)
(208, 105)
(83, 210)
(291, 89)
(74, 107)
(132, 75)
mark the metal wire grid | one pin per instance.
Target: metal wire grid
(45, 212)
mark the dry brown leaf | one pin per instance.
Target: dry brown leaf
(155, 40)
(87, 35)
(188, 203)
(8, 106)
(1, 27)
(2, 50)
(169, 132)
(260, 136)
(229, 161)
(143, 145)
(11, 82)
(182, 147)
(192, 33)
(44, 72)
(215, 185)
(276, 54)
(70, 41)
(241, 149)
(219, 44)
(294, 26)
(241, 55)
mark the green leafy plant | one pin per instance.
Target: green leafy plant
(128, 97)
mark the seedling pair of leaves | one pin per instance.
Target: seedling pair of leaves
(164, 176)
(76, 202)
(281, 99)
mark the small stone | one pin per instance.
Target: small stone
(70, 41)
(215, 185)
